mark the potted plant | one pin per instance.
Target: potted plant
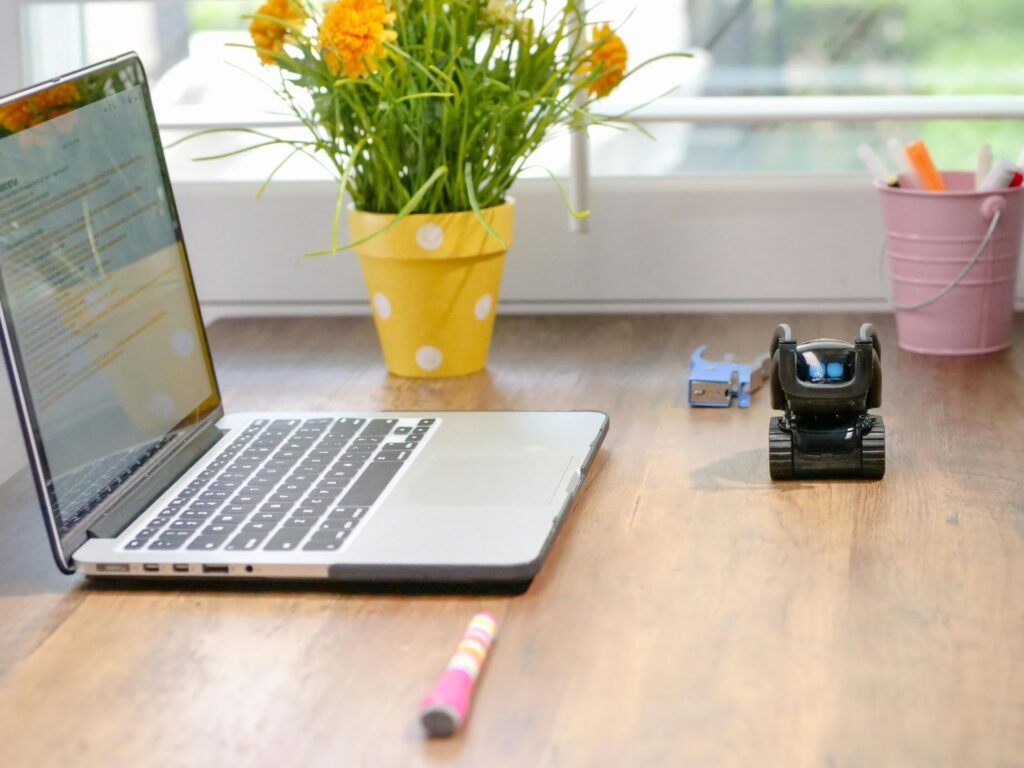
(427, 112)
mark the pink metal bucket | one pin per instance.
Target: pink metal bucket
(953, 264)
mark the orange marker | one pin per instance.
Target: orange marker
(930, 178)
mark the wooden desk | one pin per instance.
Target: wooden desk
(691, 613)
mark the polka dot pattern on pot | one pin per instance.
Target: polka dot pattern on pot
(483, 306)
(430, 237)
(382, 305)
(429, 358)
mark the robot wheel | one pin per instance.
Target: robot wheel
(780, 451)
(872, 455)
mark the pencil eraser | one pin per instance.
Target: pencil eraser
(440, 721)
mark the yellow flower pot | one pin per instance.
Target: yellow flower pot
(433, 282)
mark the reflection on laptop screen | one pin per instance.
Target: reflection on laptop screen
(95, 286)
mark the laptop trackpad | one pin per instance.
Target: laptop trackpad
(483, 481)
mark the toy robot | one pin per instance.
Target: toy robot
(826, 389)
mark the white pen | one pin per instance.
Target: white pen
(873, 163)
(999, 177)
(984, 165)
(1020, 159)
(903, 166)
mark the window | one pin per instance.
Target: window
(774, 48)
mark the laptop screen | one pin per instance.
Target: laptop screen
(106, 340)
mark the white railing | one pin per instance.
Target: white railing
(712, 109)
(780, 109)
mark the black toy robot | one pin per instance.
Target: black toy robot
(826, 389)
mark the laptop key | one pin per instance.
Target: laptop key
(217, 529)
(286, 540)
(276, 506)
(232, 519)
(315, 545)
(222, 486)
(196, 514)
(323, 493)
(166, 541)
(214, 495)
(136, 543)
(369, 442)
(317, 502)
(347, 513)
(392, 456)
(307, 511)
(369, 485)
(266, 517)
(206, 543)
(330, 526)
(263, 527)
(286, 497)
(247, 541)
(398, 446)
(335, 535)
(335, 485)
(238, 509)
(303, 523)
(184, 525)
(344, 468)
(205, 504)
(358, 457)
(378, 427)
(251, 499)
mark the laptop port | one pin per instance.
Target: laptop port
(151, 568)
(180, 568)
(215, 569)
(112, 567)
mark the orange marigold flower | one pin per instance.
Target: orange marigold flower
(353, 33)
(271, 35)
(607, 57)
(39, 107)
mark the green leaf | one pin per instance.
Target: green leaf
(471, 194)
(408, 209)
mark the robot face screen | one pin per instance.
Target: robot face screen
(825, 366)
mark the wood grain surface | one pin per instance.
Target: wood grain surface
(691, 613)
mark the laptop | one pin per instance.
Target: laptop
(139, 471)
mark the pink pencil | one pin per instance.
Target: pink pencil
(445, 708)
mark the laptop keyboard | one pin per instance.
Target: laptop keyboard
(286, 485)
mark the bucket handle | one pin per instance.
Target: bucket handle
(992, 206)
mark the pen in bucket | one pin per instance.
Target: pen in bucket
(930, 177)
(984, 165)
(903, 166)
(1001, 176)
(445, 708)
(876, 167)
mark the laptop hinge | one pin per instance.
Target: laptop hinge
(139, 498)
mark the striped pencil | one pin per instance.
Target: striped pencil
(446, 706)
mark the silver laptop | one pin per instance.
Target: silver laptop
(139, 471)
